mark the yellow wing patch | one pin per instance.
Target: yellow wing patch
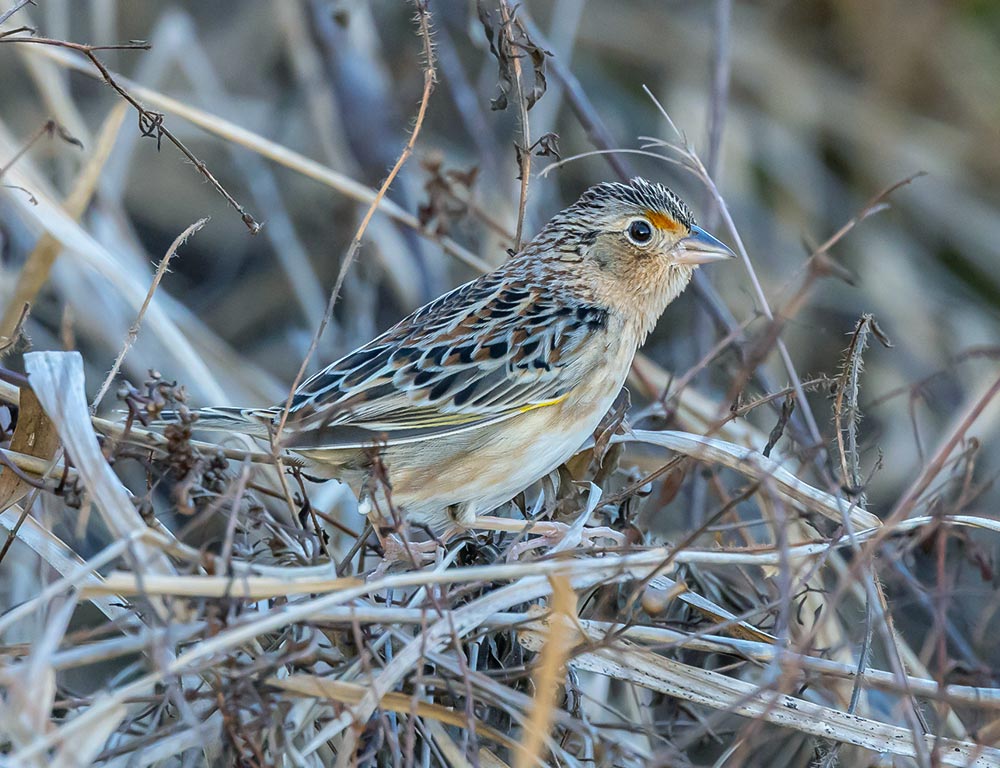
(662, 221)
(543, 404)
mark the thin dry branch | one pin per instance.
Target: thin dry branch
(133, 331)
(424, 25)
(626, 661)
(506, 39)
(150, 123)
(35, 273)
(49, 128)
(932, 469)
(277, 153)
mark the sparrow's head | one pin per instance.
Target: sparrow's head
(634, 243)
(638, 222)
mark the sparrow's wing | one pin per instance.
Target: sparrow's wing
(489, 350)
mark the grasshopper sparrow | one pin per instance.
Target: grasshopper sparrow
(487, 389)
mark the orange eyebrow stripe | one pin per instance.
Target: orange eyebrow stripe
(662, 221)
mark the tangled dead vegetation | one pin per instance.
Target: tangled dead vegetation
(736, 570)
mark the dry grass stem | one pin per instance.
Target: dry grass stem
(133, 331)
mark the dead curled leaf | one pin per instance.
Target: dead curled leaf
(509, 41)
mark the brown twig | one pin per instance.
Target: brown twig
(9, 394)
(36, 270)
(506, 39)
(592, 123)
(9, 339)
(875, 204)
(150, 123)
(49, 128)
(930, 471)
(583, 109)
(702, 321)
(849, 387)
(424, 24)
(980, 352)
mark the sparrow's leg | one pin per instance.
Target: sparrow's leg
(548, 532)
(397, 551)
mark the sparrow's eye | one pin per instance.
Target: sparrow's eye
(640, 232)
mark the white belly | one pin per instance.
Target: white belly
(486, 468)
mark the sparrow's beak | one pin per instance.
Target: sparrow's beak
(700, 248)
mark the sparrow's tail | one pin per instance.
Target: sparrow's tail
(247, 421)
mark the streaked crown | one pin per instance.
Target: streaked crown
(655, 200)
(609, 208)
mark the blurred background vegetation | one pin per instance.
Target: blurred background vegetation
(817, 106)
(828, 103)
